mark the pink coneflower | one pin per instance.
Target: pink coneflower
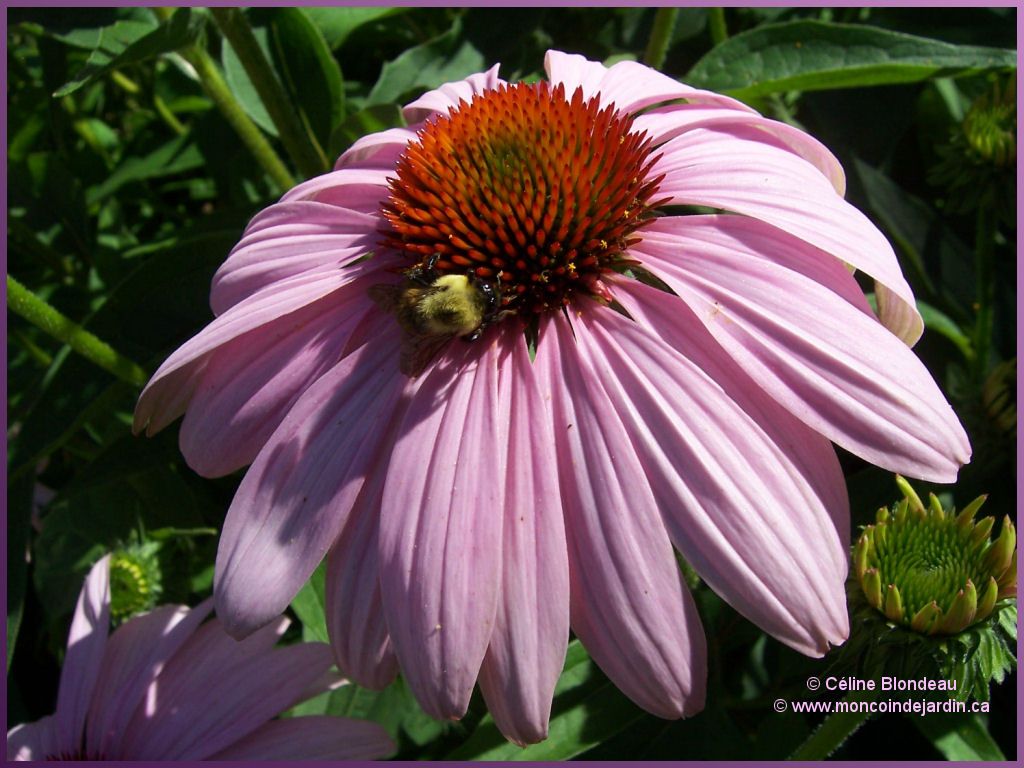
(166, 686)
(643, 379)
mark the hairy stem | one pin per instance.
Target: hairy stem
(716, 25)
(26, 304)
(661, 36)
(217, 89)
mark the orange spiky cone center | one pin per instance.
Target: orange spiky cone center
(535, 193)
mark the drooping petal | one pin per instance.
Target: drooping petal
(136, 653)
(288, 239)
(191, 716)
(34, 741)
(265, 313)
(666, 123)
(628, 604)
(735, 169)
(352, 601)
(441, 526)
(440, 100)
(628, 85)
(742, 513)
(296, 497)
(357, 189)
(87, 641)
(250, 384)
(834, 367)
(811, 454)
(315, 737)
(531, 627)
(377, 150)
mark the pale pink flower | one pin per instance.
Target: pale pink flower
(477, 511)
(166, 686)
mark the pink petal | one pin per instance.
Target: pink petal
(440, 100)
(738, 170)
(531, 627)
(812, 455)
(628, 605)
(355, 613)
(295, 498)
(628, 85)
(167, 394)
(357, 189)
(192, 716)
(208, 653)
(288, 239)
(665, 123)
(377, 150)
(747, 518)
(251, 383)
(834, 367)
(35, 741)
(440, 527)
(87, 641)
(135, 655)
(320, 737)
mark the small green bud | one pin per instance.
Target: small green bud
(919, 566)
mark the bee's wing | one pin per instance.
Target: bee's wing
(386, 296)
(418, 351)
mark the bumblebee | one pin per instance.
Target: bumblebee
(432, 309)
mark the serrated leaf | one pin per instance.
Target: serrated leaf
(308, 605)
(814, 55)
(959, 737)
(337, 23)
(444, 59)
(128, 42)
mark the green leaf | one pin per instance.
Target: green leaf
(19, 511)
(444, 59)
(587, 710)
(936, 320)
(813, 55)
(309, 72)
(941, 264)
(336, 24)
(308, 605)
(365, 121)
(960, 737)
(176, 156)
(131, 42)
(304, 65)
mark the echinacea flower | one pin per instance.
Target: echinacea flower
(167, 686)
(645, 377)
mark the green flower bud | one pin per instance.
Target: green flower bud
(919, 566)
(135, 582)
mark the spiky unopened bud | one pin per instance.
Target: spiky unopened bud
(135, 582)
(932, 570)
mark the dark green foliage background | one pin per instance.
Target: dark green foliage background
(127, 189)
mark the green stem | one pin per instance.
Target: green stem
(307, 156)
(26, 304)
(218, 91)
(716, 25)
(168, 117)
(835, 729)
(661, 36)
(985, 290)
